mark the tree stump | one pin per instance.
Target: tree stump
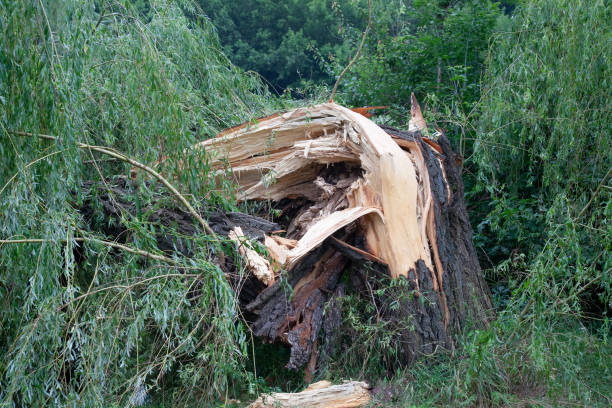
(349, 192)
(349, 197)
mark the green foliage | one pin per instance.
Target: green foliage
(543, 147)
(543, 153)
(544, 111)
(423, 47)
(544, 349)
(280, 40)
(545, 364)
(370, 341)
(81, 324)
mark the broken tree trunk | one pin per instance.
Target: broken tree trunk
(350, 191)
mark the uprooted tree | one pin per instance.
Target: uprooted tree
(348, 197)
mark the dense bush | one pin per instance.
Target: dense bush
(425, 47)
(543, 147)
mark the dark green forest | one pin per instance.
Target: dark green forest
(521, 89)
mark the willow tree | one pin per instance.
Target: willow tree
(544, 148)
(103, 309)
(81, 322)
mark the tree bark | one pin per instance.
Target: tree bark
(356, 199)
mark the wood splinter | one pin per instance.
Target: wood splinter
(256, 263)
(349, 191)
(321, 394)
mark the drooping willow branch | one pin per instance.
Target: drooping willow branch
(120, 156)
(352, 61)
(126, 248)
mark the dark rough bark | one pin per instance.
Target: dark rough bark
(252, 226)
(467, 294)
(293, 311)
(464, 291)
(107, 202)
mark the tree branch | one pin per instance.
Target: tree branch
(365, 34)
(126, 248)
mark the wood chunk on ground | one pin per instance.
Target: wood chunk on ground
(319, 395)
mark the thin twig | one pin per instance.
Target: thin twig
(27, 241)
(595, 193)
(98, 23)
(130, 286)
(40, 135)
(111, 244)
(365, 34)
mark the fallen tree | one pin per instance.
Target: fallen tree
(349, 191)
(347, 197)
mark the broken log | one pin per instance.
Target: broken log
(350, 191)
(320, 394)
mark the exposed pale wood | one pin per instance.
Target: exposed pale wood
(277, 251)
(289, 243)
(319, 385)
(324, 228)
(319, 395)
(417, 122)
(256, 263)
(404, 144)
(424, 207)
(392, 175)
(393, 197)
(279, 156)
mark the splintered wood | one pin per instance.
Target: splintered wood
(256, 263)
(282, 156)
(319, 395)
